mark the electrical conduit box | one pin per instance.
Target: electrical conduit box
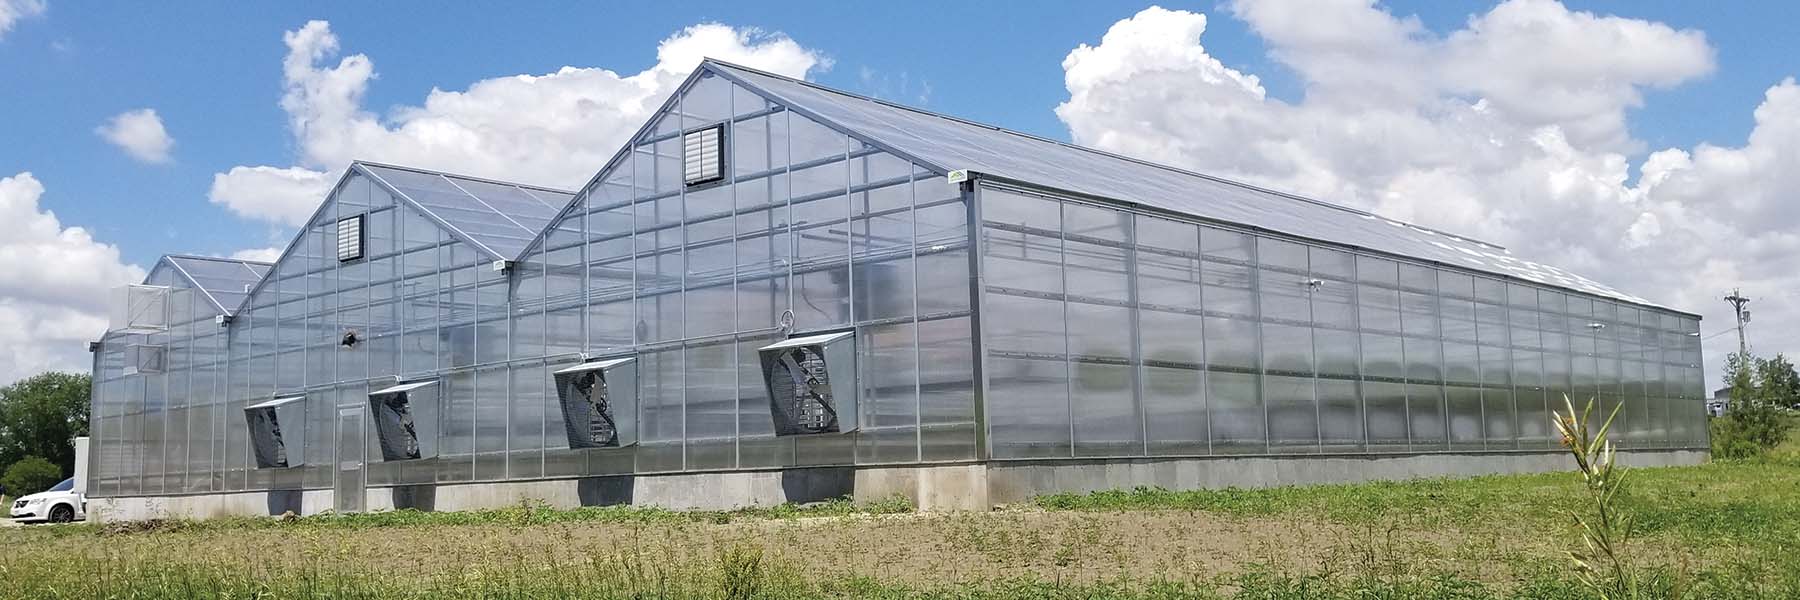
(599, 402)
(278, 432)
(812, 383)
(406, 420)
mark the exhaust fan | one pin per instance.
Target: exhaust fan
(812, 383)
(599, 403)
(406, 420)
(278, 432)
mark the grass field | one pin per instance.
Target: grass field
(1725, 530)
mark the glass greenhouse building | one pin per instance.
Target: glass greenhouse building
(779, 292)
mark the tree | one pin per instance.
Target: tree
(1761, 392)
(40, 414)
(30, 476)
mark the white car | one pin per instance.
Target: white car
(59, 504)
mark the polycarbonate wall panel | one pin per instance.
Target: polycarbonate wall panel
(1117, 334)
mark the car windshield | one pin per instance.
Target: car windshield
(66, 485)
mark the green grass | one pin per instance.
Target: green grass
(1724, 529)
(1729, 503)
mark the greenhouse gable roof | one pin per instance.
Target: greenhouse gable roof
(224, 282)
(949, 144)
(499, 218)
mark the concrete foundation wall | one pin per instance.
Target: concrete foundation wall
(931, 488)
(1020, 481)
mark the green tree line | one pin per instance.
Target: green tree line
(39, 416)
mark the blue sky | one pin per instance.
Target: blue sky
(212, 71)
(1650, 145)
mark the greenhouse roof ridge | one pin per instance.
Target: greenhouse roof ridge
(1104, 153)
(496, 219)
(221, 286)
(946, 144)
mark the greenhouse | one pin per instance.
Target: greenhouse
(779, 292)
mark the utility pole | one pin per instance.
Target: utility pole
(1738, 301)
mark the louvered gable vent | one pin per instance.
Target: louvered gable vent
(703, 158)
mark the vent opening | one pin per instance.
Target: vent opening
(350, 238)
(278, 432)
(406, 420)
(139, 309)
(145, 358)
(599, 403)
(703, 155)
(812, 384)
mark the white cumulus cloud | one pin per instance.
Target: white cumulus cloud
(139, 133)
(554, 129)
(54, 284)
(1510, 128)
(13, 11)
(267, 255)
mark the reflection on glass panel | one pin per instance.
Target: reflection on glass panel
(1024, 324)
(1385, 404)
(1377, 270)
(1028, 408)
(710, 414)
(1378, 308)
(1227, 244)
(1175, 410)
(1337, 353)
(1418, 314)
(1022, 261)
(1106, 417)
(1425, 411)
(1080, 220)
(1098, 331)
(525, 443)
(890, 401)
(1334, 304)
(1281, 254)
(1467, 423)
(1340, 415)
(1095, 271)
(1236, 413)
(1231, 344)
(946, 389)
(1293, 414)
(1382, 357)
(1287, 350)
(1228, 288)
(1529, 399)
(1285, 296)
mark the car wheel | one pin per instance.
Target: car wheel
(61, 513)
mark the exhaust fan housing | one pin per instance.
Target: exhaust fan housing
(406, 419)
(599, 403)
(812, 384)
(278, 432)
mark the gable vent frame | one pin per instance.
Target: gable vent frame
(351, 238)
(703, 155)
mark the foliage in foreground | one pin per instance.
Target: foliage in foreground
(1600, 564)
(741, 573)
